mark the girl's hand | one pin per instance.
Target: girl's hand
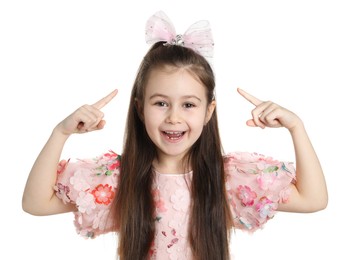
(87, 118)
(269, 114)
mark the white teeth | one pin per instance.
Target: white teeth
(172, 133)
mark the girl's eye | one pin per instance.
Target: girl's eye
(189, 105)
(161, 104)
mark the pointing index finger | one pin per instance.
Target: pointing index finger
(104, 101)
(255, 101)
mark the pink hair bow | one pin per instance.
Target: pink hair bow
(198, 37)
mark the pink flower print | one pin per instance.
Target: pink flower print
(85, 202)
(246, 195)
(107, 163)
(247, 219)
(177, 222)
(266, 208)
(152, 251)
(268, 160)
(233, 205)
(180, 200)
(81, 181)
(173, 241)
(284, 195)
(103, 194)
(62, 166)
(113, 165)
(227, 183)
(160, 206)
(266, 180)
(244, 222)
(78, 219)
(113, 160)
(85, 232)
(100, 220)
(159, 203)
(62, 192)
(173, 232)
(111, 155)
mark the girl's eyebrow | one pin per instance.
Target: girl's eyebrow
(183, 97)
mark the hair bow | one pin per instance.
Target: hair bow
(198, 37)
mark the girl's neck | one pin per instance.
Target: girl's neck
(170, 165)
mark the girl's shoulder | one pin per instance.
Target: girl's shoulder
(91, 185)
(246, 163)
(255, 185)
(84, 174)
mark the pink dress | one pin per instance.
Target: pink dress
(255, 185)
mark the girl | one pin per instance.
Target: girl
(172, 192)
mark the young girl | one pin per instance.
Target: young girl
(173, 193)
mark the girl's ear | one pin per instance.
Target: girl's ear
(210, 111)
(139, 109)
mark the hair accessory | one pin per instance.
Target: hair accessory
(198, 37)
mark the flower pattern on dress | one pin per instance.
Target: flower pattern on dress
(266, 180)
(284, 195)
(107, 163)
(152, 251)
(246, 195)
(179, 219)
(101, 220)
(265, 163)
(255, 184)
(81, 181)
(62, 166)
(63, 192)
(173, 241)
(158, 203)
(85, 202)
(247, 219)
(90, 184)
(180, 200)
(266, 208)
(103, 194)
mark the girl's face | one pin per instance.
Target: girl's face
(175, 111)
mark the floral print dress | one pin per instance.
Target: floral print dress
(255, 185)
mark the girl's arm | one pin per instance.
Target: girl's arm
(38, 196)
(309, 193)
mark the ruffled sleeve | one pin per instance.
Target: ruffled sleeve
(255, 185)
(90, 184)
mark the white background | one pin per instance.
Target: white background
(58, 55)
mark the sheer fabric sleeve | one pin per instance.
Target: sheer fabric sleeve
(91, 185)
(255, 185)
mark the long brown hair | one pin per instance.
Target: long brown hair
(133, 205)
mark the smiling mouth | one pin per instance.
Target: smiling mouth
(173, 135)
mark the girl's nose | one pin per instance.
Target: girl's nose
(173, 117)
